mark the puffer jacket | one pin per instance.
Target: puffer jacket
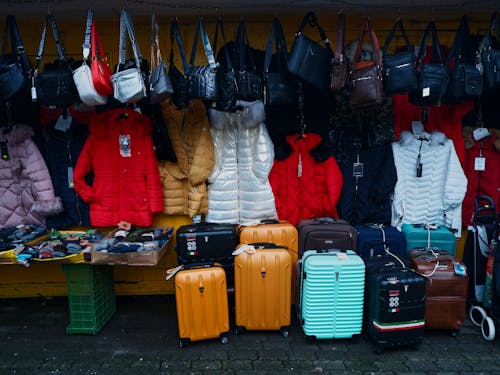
(304, 188)
(435, 197)
(184, 182)
(126, 186)
(26, 190)
(239, 189)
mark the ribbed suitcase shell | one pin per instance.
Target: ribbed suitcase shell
(446, 292)
(202, 303)
(417, 237)
(282, 233)
(371, 243)
(262, 289)
(331, 294)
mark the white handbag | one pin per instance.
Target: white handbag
(83, 75)
(128, 84)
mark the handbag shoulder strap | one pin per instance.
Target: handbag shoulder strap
(340, 42)
(60, 50)
(96, 45)
(88, 32)
(366, 27)
(209, 53)
(155, 43)
(126, 27)
(436, 46)
(175, 36)
(462, 49)
(487, 41)
(276, 36)
(311, 19)
(220, 25)
(397, 25)
(18, 43)
(244, 47)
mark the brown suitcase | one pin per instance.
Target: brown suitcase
(446, 291)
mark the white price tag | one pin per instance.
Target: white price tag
(480, 163)
(426, 91)
(62, 123)
(342, 256)
(480, 133)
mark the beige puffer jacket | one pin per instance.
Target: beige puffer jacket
(184, 182)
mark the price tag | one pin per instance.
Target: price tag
(480, 133)
(342, 256)
(459, 269)
(124, 140)
(70, 178)
(426, 91)
(480, 163)
(357, 169)
(62, 123)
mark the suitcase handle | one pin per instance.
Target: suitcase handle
(267, 245)
(484, 209)
(322, 251)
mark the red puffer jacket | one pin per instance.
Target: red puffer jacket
(304, 188)
(126, 184)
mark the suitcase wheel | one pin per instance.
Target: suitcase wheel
(183, 343)
(356, 338)
(238, 330)
(284, 332)
(224, 339)
(488, 329)
(454, 332)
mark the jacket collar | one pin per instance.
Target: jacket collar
(304, 143)
(435, 138)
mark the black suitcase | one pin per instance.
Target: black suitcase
(394, 303)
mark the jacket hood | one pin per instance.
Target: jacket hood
(19, 133)
(103, 124)
(435, 138)
(252, 114)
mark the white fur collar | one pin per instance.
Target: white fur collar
(435, 138)
(252, 114)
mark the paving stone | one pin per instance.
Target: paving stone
(267, 365)
(330, 365)
(206, 365)
(452, 365)
(238, 365)
(177, 365)
(243, 354)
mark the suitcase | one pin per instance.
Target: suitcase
(278, 232)
(330, 294)
(202, 304)
(262, 284)
(208, 242)
(394, 303)
(424, 235)
(326, 233)
(446, 290)
(376, 239)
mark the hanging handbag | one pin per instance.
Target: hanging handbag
(14, 67)
(160, 87)
(400, 68)
(466, 81)
(490, 57)
(433, 76)
(101, 73)
(83, 75)
(279, 86)
(202, 79)
(365, 78)
(339, 67)
(248, 81)
(180, 82)
(55, 85)
(308, 59)
(128, 83)
(227, 91)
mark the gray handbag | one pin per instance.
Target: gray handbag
(160, 87)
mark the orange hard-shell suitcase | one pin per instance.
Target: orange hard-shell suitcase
(278, 232)
(202, 304)
(262, 288)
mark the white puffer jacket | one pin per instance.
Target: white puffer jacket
(436, 197)
(239, 189)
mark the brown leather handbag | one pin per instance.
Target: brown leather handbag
(365, 78)
(339, 67)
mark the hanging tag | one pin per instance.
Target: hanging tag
(63, 123)
(426, 91)
(417, 128)
(172, 271)
(299, 167)
(420, 167)
(480, 133)
(124, 140)
(341, 256)
(196, 219)
(480, 163)
(4, 151)
(357, 169)
(70, 178)
(459, 269)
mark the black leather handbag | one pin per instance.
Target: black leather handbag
(55, 85)
(14, 67)
(280, 87)
(226, 77)
(433, 76)
(466, 81)
(248, 81)
(179, 80)
(399, 70)
(202, 79)
(160, 87)
(490, 57)
(308, 59)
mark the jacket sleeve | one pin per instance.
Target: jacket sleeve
(217, 138)
(84, 165)
(152, 176)
(386, 177)
(203, 158)
(45, 201)
(335, 181)
(397, 205)
(263, 154)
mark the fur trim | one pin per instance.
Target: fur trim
(216, 118)
(497, 144)
(436, 138)
(20, 133)
(48, 208)
(253, 113)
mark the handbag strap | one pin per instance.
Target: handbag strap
(487, 41)
(436, 46)
(462, 49)
(397, 25)
(220, 25)
(340, 42)
(244, 47)
(209, 53)
(17, 43)
(366, 27)
(88, 31)
(155, 42)
(175, 36)
(311, 19)
(126, 26)
(96, 45)
(277, 37)
(60, 50)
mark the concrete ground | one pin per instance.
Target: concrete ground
(141, 338)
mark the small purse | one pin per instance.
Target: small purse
(128, 84)
(433, 76)
(309, 60)
(14, 67)
(160, 87)
(227, 93)
(248, 81)
(279, 86)
(83, 75)
(400, 75)
(101, 73)
(365, 77)
(490, 58)
(55, 85)
(339, 67)
(179, 80)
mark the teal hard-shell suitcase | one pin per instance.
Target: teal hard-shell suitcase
(424, 236)
(330, 294)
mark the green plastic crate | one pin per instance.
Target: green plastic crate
(91, 297)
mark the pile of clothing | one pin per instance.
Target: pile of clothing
(11, 237)
(135, 240)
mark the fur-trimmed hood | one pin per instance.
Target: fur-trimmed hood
(19, 133)
(252, 114)
(436, 138)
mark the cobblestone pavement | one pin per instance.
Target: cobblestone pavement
(141, 338)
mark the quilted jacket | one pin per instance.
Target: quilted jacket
(26, 190)
(435, 197)
(126, 186)
(184, 182)
(304, 188)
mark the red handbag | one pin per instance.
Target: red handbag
(101, 73)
